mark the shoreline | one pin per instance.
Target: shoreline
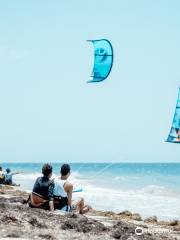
(18, 221)
(101, 209)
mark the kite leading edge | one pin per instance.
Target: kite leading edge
(174, 135)
(103, 60)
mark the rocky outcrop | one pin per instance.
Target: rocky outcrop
(19, 221)
(152, 220)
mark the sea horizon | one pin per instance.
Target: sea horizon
(99, 162)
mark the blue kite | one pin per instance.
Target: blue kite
(174, 135)
(103, 60)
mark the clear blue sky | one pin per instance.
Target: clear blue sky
(47, 110)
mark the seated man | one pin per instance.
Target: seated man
(8, 177)
(1, 176)
(61, 193)
(39, 198)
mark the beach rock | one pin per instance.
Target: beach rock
(125, 227)
(6, 187)
(17, 220)
(173, 223)
(8, 218)
(36, 222)
(14, 235)
(2, 191)
(109, 213)
(83, 224)
(116, 234)
(3, 204)
(176, 228)
(169, 223)
(125, 213)
(152, 220)
(72, 215)
(163, 223)
(129, 215)
(47, 236)
(123, 230)
(136, 216)
(17, 200)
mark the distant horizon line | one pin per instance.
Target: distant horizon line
(123, 162)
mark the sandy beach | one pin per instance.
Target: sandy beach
(18, 221)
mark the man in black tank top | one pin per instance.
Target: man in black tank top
(42, 185)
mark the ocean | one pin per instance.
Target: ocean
(149, 189)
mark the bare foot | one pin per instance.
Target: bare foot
(85, 209)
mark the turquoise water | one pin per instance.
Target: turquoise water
(150, 189)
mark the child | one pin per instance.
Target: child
(8, 177)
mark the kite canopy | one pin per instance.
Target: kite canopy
(174, 135)
(103, 60)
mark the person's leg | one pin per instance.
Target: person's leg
(85, 209)
(81, 207)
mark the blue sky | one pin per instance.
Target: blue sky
(48, 111)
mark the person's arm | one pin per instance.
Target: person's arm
(51, 206)
(51, 196)
(69, 189)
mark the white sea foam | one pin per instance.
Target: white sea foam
(143, 201)
(126, 178)
(164, 206)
